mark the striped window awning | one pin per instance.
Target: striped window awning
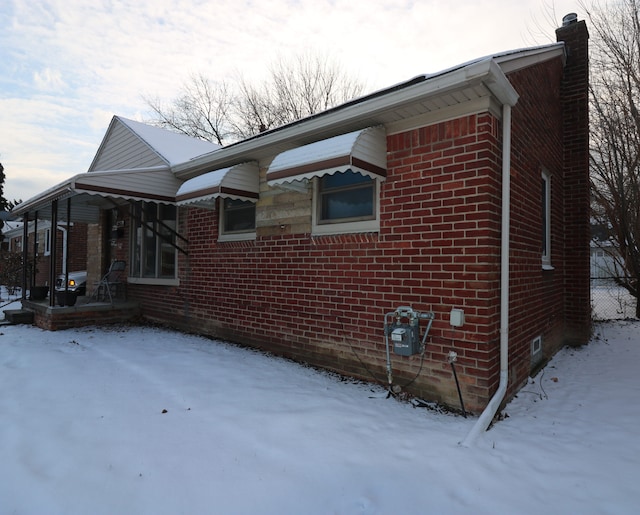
(363, 151)
(236, 182)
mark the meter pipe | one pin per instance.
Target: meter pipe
(489, 412)
(455, 376)
(421, 316)
(386, 336)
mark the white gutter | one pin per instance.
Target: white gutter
(489, 412)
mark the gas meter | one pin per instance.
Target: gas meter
(404, 332)
(405, 340)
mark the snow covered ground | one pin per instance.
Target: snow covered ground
(611, 302)
(149, 421)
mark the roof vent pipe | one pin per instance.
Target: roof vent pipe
(568, 19)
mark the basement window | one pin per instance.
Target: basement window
(536, 350)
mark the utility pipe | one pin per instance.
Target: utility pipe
(489, 412)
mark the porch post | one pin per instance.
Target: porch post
(53, 254)
(25, 254)
(66, 244)
(35, 250)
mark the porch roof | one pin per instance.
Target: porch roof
(89, 192)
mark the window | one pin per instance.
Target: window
(43, 242)
(237, 219)
(345, 202)
(47, 242)
(545, 203)
(153, 250)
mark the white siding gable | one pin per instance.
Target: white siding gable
(123, 149)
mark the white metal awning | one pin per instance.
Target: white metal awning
(363, 151)
(236, 182)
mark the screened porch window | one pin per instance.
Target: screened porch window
(153, 249)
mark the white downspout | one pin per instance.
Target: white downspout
(489, 412)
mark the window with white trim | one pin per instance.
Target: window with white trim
(153, 249)
(545, 204)
(345, 202)
(237, 219)
(47, 242)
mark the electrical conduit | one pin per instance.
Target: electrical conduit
(489, 412)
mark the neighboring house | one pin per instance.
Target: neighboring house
(301, 239)
(606, 262)
(71, 247)
(604, 265)
(12, 236)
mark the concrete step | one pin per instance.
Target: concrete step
(18, 316)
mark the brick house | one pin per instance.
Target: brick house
(70, 248)
(463, 194)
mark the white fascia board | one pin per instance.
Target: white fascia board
(520, 59)
(57, 192)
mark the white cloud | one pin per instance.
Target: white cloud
(49, 80)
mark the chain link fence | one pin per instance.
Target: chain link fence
(610, 301)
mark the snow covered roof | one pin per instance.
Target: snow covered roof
(174, 147)
(480, 84)
(128, 144)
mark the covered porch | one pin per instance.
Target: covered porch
(99, 207)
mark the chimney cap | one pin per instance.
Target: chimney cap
(568, 19)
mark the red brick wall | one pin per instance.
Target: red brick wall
(537, 295)
(58, 318)
(78, 243)
(319, 299)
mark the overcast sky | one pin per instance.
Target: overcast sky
(67, 66)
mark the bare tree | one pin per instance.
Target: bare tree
(202, 110)
(615, 134)
(255, 109)
(225, 112)
(308, 85)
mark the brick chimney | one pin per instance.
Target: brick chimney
(575, 105)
